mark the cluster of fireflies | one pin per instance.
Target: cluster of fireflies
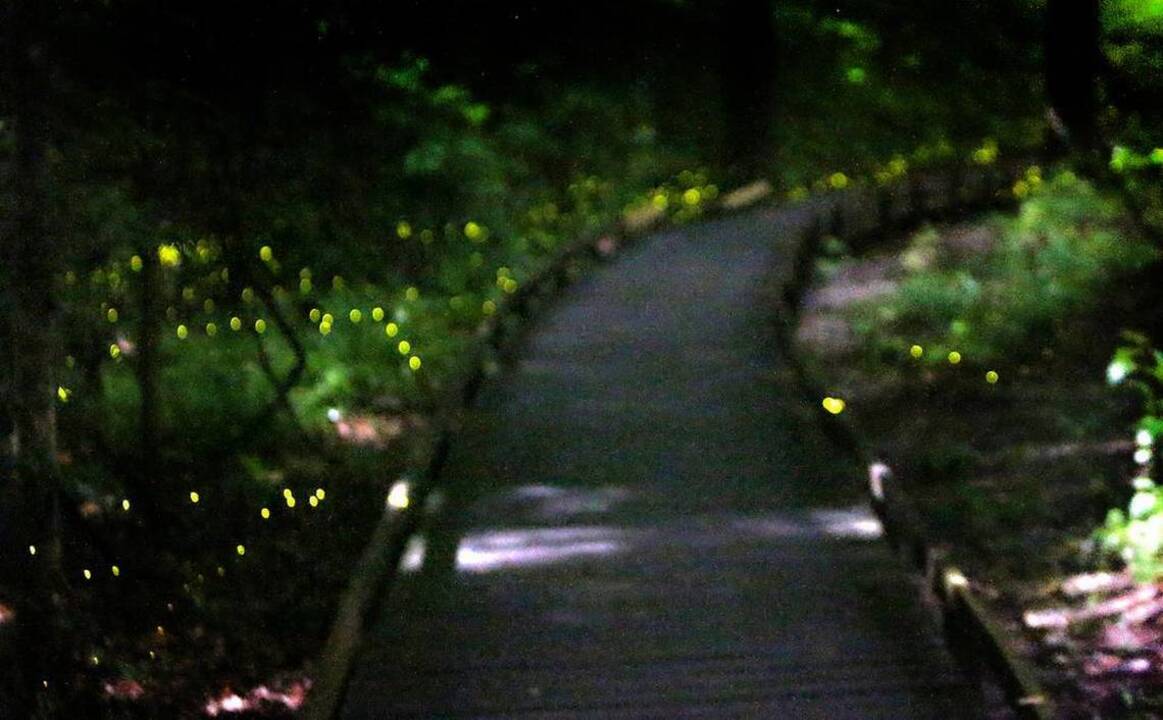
(954, 357)
(172, 256)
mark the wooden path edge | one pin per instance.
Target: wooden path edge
(976, 635)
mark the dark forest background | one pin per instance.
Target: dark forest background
(246, 245)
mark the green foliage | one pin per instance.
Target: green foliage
(1145, 16)
(873, 86)
(1135, 536)
(1004, 301)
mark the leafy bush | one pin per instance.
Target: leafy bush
(1135, 536)
(1004, 301)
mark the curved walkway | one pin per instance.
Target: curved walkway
(643, 520)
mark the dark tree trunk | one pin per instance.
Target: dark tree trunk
(747, 72)
(1072, 64)
(147, 381)
(29, 507)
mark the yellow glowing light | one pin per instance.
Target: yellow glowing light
(211, 329)
(833, 405)
(169, 255)
(265, 253)
(265, 513)
(111, 315)
(325, 328)
(692, 197)
(260, 326)
(287, 492)
(319, 493)
(194, 497)
(87, 573)
(403, 230)
(125, 505)
(135, 263)
(356, 315)
(838, 180)
(116, 571)
(328, 318)
(991, 377)
(398, 496)
(377, 314)
(414, 362)
(235, 323)
(954, 357)
(404, 347)
(659, 201)
(473, 231)
(183, 332)
(391, 329)
(916, 351)
(63, 393)
(290, 501)
(411, 294)
(241, 550)
(314, 315)
(188, 294)
(95, 660)
(313, 501)
(488, 307)
(305, 285)
(31, 549)
(247, 295)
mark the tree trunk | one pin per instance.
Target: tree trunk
(1072, 64)
(147, 383)
(29, 508)
(747, 69)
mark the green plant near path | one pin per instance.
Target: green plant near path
(1016, 288)
(1134, 537)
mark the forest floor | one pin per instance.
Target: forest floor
(1013, 471)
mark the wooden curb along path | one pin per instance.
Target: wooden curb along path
(978, 638)
(853, 214)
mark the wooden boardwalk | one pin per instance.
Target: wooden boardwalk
(642, 520)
